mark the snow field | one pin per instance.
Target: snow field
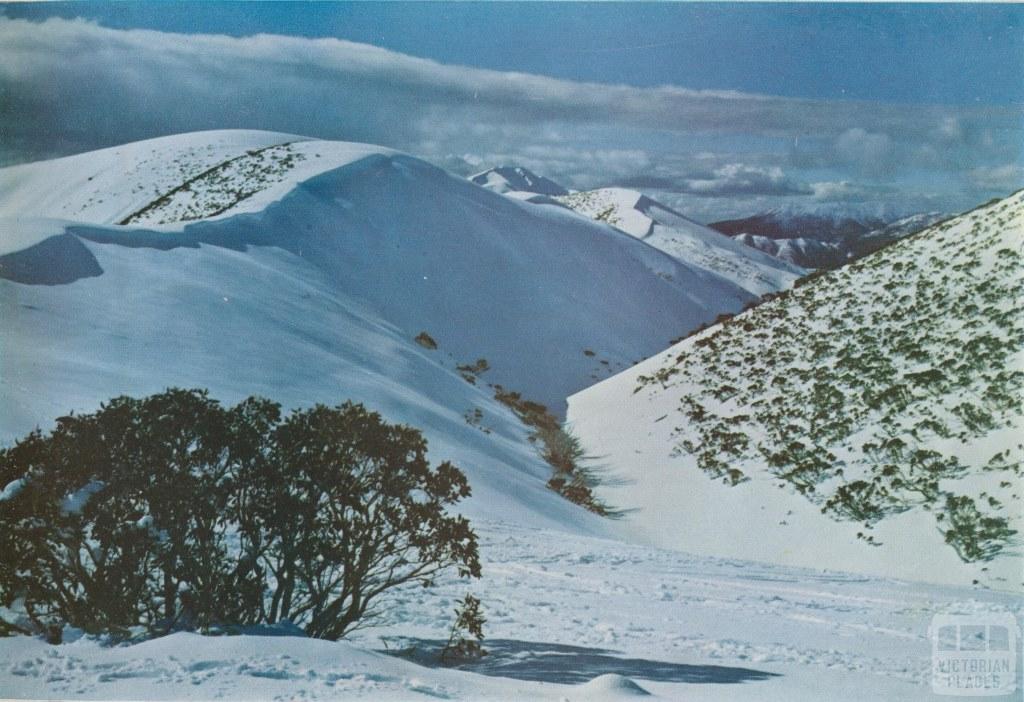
(569, 617)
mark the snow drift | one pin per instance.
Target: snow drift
(303, 270)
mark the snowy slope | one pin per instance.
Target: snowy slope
(686, 240)
(917, 348)
(305, 275)
(257, 322)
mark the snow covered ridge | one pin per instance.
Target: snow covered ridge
(680, 237)
(893, 231)
(421, 248)
(221, 187)
(808, 253)
(171, 180)
(313, 289)
(506, 179)
(655, 224)
(885, 395)
(623, 209)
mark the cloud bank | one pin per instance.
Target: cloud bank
(71, 85)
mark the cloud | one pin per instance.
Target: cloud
(949, 130)
(1004, 179)
(732, 179)
(740, 179)
(94, 84)
(461, 164)
(577, 167)
(72, 85)
(651, 182)
(872, 152)
(845, 191)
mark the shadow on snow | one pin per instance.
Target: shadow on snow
(571, 665)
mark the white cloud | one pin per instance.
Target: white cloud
(72, 73)
(1005, 178)
(70, 85)
(871, 152)
(728, 180)
(741, 179)
(841, 191)
(949, 130)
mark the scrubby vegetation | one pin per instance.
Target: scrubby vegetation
(467, 634)
(571, 477)
(471, 371)
(220, 187)
(860, 387)
(171, 512)
(593, 204)
(475, 418)
(426, 341)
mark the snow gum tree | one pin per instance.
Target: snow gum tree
(171, 512)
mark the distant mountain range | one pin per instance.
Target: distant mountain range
(821, 240)
(806, 238)
(791, 223)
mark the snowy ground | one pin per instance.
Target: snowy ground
(880, 306)
(313, 287)
(562, 610)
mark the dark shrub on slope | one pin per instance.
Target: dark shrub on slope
(172, 512)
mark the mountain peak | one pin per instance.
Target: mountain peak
(504, 179)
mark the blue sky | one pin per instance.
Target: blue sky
(915, 106)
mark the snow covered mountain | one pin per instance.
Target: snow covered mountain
(801, 251)
(683, 239)
(874, 240)
(507, 179)
(792, 223)
(815, 240)
(304, 270)
(885, 395)
(650, 221)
